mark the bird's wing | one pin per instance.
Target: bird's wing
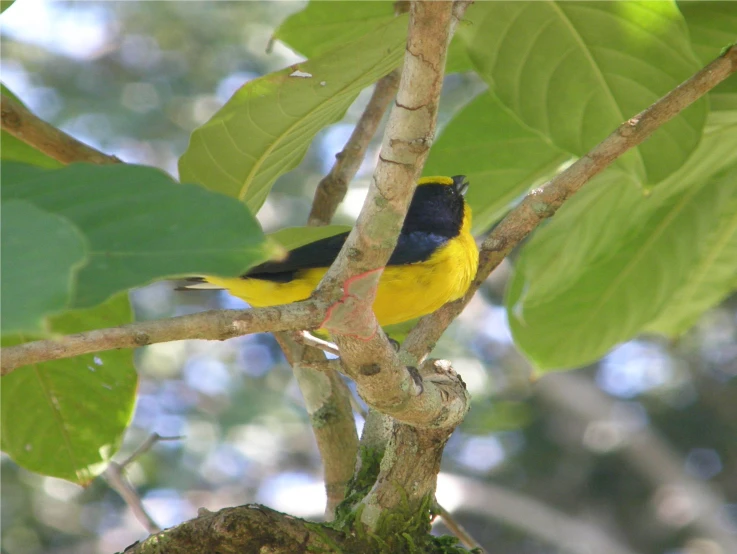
(320, 253)
(411, 248)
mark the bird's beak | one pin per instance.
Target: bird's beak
(460, 183)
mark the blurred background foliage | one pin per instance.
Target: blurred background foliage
(625, 446)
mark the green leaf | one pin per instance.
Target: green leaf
(612, 258)
(266, 127)
(714, 275)
(41, 253)
(501, 157)
(713, 26)
(140, 224)
(17, 150)
(294, 237)
(5, 4)
(575, 70)
(66, 418)
(322, 26)
(325, 25)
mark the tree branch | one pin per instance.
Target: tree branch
(328, 402)
(408, 474)
(211, 325)
(22, 124)
(250, 529)
(384, 381)
(332, 188)
(327, 398)
(116, 478)
(542, 203)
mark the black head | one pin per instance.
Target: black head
(437, 206)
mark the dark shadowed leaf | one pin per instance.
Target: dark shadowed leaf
(41, 253)
(140, 224)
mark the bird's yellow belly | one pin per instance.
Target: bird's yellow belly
(405, 292)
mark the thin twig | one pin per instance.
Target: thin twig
(146, 446)
(332, 188)
(22, 124)
(115, 476)
(457, 529)
(211, 325)
(542, 203)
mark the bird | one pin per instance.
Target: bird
(434, 261)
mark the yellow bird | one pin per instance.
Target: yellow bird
(434, 262)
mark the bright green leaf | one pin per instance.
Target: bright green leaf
(266, 127)
(575, 70)
(611, 259)
(714, 276)
(294, 237)
(41, 253)
(140, 224)
(501, 157)
(66, 418)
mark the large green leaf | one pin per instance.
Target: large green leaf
(140, 224)
(611, 259)
(66, 418)
(501, 157)
(41, 253)
(575, 70)
(264, 130)
(714, 275)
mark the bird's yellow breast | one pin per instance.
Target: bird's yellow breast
(405, 291)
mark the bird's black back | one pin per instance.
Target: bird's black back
(435, 216)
